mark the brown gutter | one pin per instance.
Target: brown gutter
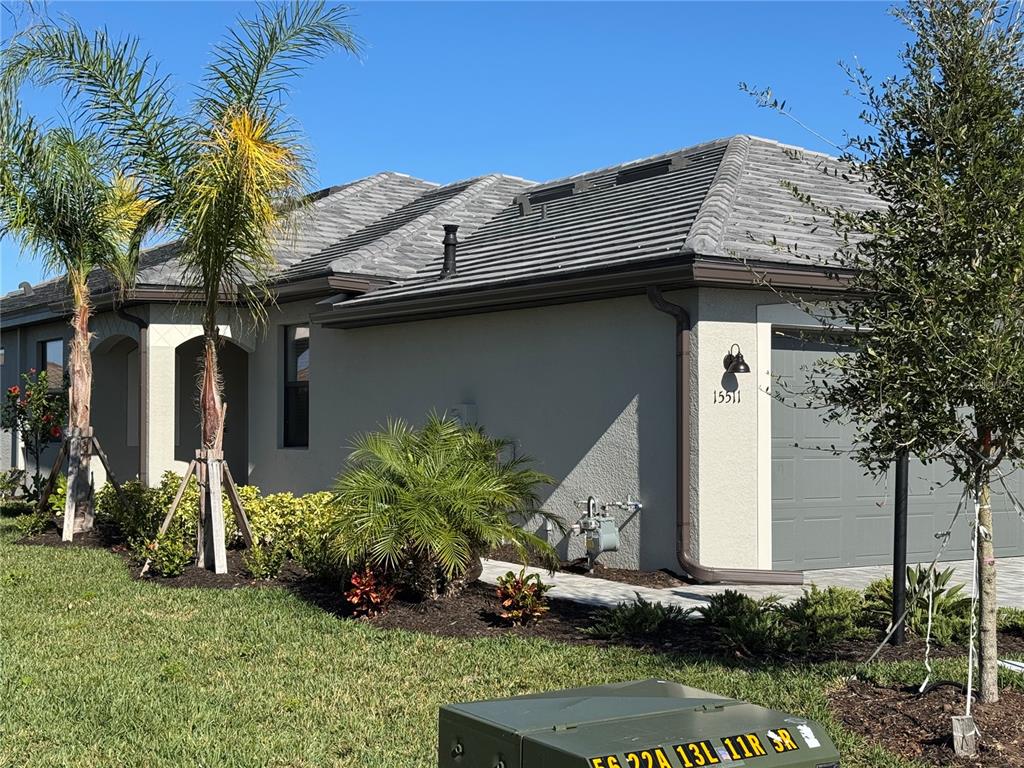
(684, 537)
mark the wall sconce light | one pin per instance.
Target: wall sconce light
(734, 362)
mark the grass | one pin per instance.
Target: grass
(99, 670)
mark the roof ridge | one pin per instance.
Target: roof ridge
(694, 148)
(392, 239)
(708, 228)
(793, 147)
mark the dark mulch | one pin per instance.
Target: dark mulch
(655, 579)
(473, 612)
(920, 727)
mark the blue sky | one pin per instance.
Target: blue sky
(450, 90)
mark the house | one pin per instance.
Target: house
(587, 319)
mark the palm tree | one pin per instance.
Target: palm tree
(224, 173)
(64, 199)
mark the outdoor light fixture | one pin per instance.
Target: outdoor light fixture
(734, 362)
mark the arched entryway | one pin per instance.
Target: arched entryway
(234, 367)
(115, 403)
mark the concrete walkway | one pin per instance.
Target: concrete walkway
(601, 592)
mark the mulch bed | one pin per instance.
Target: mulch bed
(919, 727)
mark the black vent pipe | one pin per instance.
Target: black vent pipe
(451, 246)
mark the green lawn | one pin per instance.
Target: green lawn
(99, 670)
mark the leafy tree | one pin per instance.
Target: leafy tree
(935, 287)
(425, 504)
(64, 199)
(223, 173)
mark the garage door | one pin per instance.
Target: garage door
(826, 513)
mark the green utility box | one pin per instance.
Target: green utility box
(647, 724)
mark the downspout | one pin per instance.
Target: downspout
(143, 327)
(684, 537)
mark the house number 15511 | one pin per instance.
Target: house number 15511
(722, 396)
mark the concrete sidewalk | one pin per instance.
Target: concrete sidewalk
(601, 592)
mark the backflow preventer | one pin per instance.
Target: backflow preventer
(598, 526)
(646, 724)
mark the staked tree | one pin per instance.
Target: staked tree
(65, 200)
(934, 276)
(223, 171)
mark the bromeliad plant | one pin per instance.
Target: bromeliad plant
(37, 412)
(425, 504)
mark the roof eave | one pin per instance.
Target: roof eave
(685, 270)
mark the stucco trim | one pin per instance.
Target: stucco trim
(770, 317)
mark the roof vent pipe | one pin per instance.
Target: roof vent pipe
(451, 246)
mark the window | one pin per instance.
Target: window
(51, 360)
(296, 386)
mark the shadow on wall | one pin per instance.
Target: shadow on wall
(234, 366)
(115, 403)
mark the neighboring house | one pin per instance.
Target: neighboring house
(554, 329)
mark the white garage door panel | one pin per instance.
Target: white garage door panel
(826, 513)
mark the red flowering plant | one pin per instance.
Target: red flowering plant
(36, 412)
(368, 593)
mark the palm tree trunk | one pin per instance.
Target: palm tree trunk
(209, 392)
(80, 410)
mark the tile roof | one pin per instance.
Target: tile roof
(408, 237)
(721, 199)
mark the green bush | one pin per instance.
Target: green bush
(639, 620)
(748, 626)
(265, 559)
(423, 505)
(16, 507)
(168, 554)
(1011, 620)
(951, 610)
(823, 617)
(522, 596)
(11, 481)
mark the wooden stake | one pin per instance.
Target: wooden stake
(965, 736)
(106, 465)
(51, 480)
(74, 455)
(236, 506)
(215, 517)
(173, 508)
(201, 475)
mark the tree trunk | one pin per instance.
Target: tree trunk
(988, 664)
(80, 411)
(209, 393)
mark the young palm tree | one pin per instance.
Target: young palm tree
(223, 173)
(63, 198)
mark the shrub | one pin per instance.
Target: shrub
(16, 507)
(265, 559)
(1011, 620)
(751, 627)
(639, 620)
(168, 554)
(823, 617)
(368, 593)
(11, 481)
(951, 610)
(522, 596)
(58, 495)
(36, 411)
(424, 504)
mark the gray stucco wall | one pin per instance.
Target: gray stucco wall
(586, 389)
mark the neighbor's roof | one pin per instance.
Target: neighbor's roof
(383, 226)
(724, 199)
